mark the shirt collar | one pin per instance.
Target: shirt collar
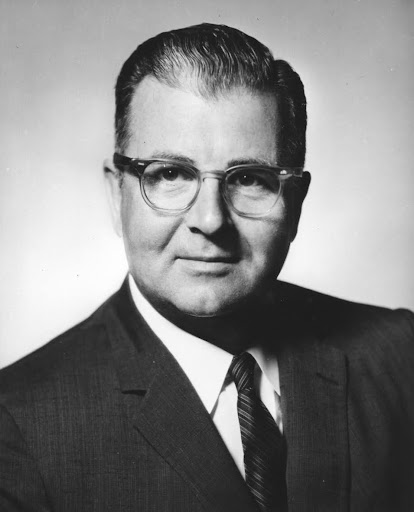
(267, 362)
(205, 365)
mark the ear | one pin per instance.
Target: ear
(113, 183)
(296, 197)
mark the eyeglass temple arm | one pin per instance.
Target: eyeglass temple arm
(125, 163)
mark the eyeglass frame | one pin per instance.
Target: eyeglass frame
(136, 167)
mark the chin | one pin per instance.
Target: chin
(208, 306)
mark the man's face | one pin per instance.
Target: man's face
(207, 261)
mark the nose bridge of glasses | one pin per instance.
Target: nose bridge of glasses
(218, 175)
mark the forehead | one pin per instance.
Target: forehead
(236, 124)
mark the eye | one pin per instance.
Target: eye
(246, 179)
(162, 172)
(171, 173)
(250, 178)
(253, 183)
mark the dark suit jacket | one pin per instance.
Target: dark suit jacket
(104, 419)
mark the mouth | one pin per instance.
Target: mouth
(208, 265)
(211, 259)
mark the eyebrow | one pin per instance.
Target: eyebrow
(254, 161)
(166, 155)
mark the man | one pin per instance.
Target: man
(204, 383)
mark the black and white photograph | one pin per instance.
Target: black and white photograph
(207, 294)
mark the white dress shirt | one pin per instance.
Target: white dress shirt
(206, 367)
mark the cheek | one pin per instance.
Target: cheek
(268, 247)
(270, 235)
(146, 233)
(271, 245)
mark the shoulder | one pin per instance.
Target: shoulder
(357, 329)
(73, 357)
(329, 314)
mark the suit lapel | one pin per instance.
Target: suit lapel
(163, 405)
(313, 391)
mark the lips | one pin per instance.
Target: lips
(206, 267)
(211, 259)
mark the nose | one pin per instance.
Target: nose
(209, 213)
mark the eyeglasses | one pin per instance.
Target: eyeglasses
(171, 186)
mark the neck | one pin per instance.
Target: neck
(234, 332)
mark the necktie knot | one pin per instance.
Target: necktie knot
(242, 371)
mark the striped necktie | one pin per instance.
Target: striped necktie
(263, 444)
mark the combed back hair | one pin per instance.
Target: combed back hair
(211, 60)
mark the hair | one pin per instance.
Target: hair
(212, 60)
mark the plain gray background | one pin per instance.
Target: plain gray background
(59, 60)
